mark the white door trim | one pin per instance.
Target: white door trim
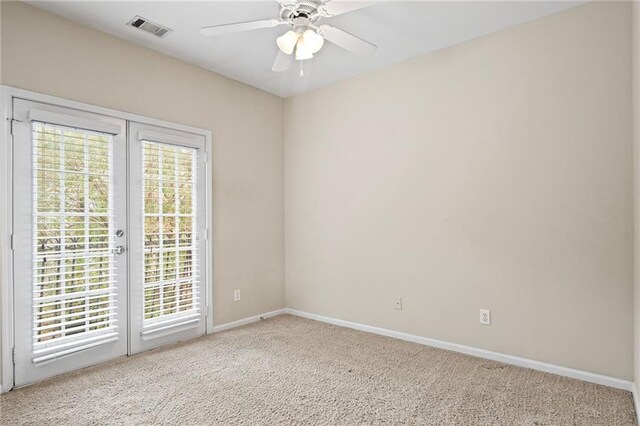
(6, 258)
(7, 94)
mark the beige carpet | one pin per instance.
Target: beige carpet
(293, 371)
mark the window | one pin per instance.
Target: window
(73, 270)
(170, 261)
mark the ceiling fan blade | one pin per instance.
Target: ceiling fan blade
(218, 30)
(338, 7)
(345, 40)
(282, 62)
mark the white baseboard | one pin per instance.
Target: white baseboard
(481, 353)
(244, 321)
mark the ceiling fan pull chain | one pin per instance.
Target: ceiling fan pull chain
(301, 72)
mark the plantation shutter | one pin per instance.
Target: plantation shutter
(73, 279)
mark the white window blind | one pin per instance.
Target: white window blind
(74, 294)
(170, 244)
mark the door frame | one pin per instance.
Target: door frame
(7, 95)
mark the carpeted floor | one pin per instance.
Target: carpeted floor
(293, 371)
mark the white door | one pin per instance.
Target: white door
(167, 238)
(70, 295)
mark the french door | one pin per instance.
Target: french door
(108, 238)
(70, 290)
(167, 236)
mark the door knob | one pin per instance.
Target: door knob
(119, 250)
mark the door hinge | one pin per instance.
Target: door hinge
(13, 121)
(13, 356)
(12, 243)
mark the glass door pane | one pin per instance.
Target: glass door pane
(170, 250)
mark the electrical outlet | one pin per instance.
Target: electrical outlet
(485, 317)
(398, 303)
(236, 295)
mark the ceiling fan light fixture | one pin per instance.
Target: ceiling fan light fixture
(287, 42)
(303, 52)
(313, 40)
(305, 35)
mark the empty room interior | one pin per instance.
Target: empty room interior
(320, 212)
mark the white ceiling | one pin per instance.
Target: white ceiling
(400, 29)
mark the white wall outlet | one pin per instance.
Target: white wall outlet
(236, 295)
(398, 303)
(485, 317)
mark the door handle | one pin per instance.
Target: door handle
(118, 250)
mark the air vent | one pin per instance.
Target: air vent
(149, 27)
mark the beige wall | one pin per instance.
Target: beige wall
(2, 230)
(495, 174)
(45, 53)
(636, 168)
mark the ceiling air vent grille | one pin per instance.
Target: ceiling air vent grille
(149, 27)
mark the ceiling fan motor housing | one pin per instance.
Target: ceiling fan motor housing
(301, 14)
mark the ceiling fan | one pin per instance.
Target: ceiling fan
(306, 35)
